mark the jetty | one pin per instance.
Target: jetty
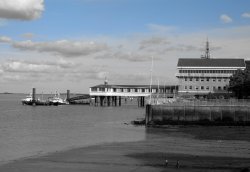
(113, 95)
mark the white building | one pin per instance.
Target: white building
(200, 76)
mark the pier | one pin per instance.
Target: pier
(115, 95)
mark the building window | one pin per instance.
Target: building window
(225, 80)
(219, 88)
(190, 87)
(197, 88)
(207, 79)
(214, 80)
(207, 87)
(202, 79)
(214, 88)
(202, 87)
(219, 80)
(185, 87)
(191, 79)
(225, 88)
(185, 79)
(197, 79)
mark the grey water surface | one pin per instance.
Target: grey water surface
(29, 131)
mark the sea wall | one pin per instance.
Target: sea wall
(198, 114)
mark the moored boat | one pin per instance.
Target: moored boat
(56, 100)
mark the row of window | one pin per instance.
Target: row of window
(208, 71)
(206, 79)
(204, 88)
(132, 90)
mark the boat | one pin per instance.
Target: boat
(27, 100)
(56, 100)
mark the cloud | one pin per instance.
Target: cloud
(132, 56)
(21, 9)
(63, 48)
(160, 28)
(5, 39)
(225, 18)
(28, 35)
(25, 66)
(245, 15)
(153, 41)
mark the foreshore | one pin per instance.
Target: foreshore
(196, 148)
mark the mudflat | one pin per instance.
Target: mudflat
(196, 148)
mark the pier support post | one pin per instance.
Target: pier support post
(120, 100)
(143, 101)
(101, 100)
(148, 114)
(108, 100)
(115, 100)
(95, 100)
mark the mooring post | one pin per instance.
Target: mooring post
(68, 95)
(33, 95)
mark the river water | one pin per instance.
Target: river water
(29, 131)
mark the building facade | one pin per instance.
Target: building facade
(206, 75)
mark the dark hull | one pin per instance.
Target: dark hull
(35, 103)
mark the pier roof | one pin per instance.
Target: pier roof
(195, 62)
(133, 86)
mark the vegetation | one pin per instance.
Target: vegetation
(239, 84)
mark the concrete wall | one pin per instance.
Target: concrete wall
(163, 113)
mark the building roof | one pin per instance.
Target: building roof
(133, 86)
(195, 62)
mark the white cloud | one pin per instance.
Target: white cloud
(245, 15)
(63, 48)
(225, 18)
(5, 39)
(21, 9)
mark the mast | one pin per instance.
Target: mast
(207, 51)
(151, 75)
(207, 54)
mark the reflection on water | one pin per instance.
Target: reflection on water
(27, 130)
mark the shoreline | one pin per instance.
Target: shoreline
(147, 155)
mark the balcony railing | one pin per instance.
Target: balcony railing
(205, 75)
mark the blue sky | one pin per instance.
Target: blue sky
(75, 44)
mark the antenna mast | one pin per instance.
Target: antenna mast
(207, 54)
(207, 51)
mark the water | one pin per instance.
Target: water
(27, 131)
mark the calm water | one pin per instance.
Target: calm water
(27, 131)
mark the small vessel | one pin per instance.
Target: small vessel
(56, 100)
(27, 100)
(31, 100)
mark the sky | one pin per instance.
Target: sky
(55, 45)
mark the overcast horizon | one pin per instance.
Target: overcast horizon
(55, 45)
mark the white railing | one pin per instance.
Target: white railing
(226, 75)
